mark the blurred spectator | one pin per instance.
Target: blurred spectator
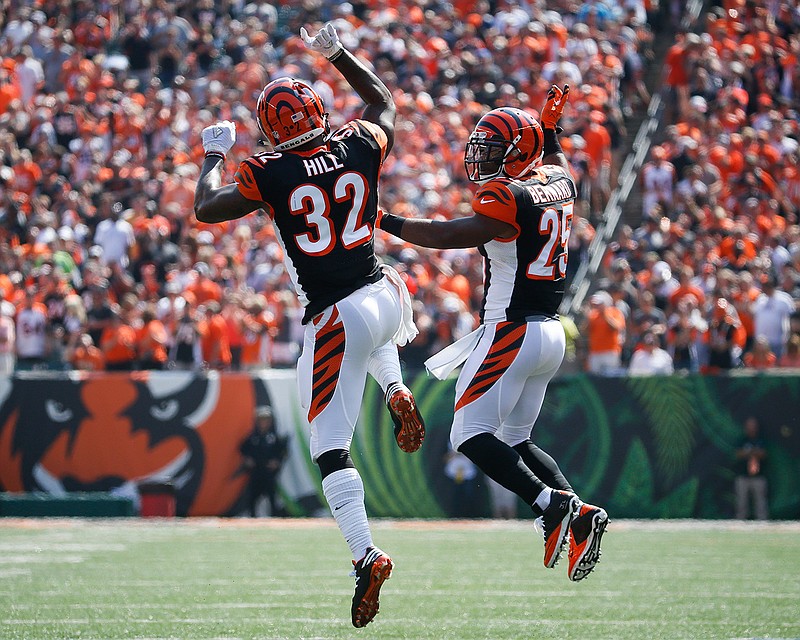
(31, 332)
(771, 312)
(677, 67)
(687, 286)
(264, 452)
(98, 309)
(650, 359)
(233, 313)
(454, 322)
(605, 329)
(791, 358)
(118, 343)
(186, 350)
(648, 317)
(29, 73)
(658, 181)
(213, 332)
(462, 476)
(75, 320)
(761, 356)
(151, 342)
(258, 328)
(751, 482)
(203, 289)
(723, 353)
(82, 354)
(8, 354)
(503, 502)
(686, 336)
(114, 235)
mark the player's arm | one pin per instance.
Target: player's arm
(380, 107)
(551, 114)
(446, 234)
(214, 202)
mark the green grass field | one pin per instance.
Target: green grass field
(226, 579)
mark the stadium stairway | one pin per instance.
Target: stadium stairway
(642, 128)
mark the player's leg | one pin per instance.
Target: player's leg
(740, 485)
(760, 495)
(384, 366)
(587, 526)
(271, 491)
(332, 373)
(517, 429)
(489, 387)
(252, 498)
(409, 427)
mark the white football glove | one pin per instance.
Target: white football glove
(326, 41)
(219, 137)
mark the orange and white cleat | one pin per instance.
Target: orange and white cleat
(586, 531)
(409, 427)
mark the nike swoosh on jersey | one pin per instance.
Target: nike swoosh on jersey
(487, 200)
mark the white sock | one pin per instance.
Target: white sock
(543, 499)
(384, 366)
(344, 492)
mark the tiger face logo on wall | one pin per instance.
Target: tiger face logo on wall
(114, 431)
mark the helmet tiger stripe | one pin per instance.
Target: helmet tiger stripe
(506, 140)
(290, 113)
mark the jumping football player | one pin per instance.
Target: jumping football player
(321, 192)
(521, 224)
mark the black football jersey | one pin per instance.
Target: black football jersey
(524, 275)
(323, 203)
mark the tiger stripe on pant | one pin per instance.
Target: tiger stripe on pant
(501, 386)
(328, 354)
(506, 344)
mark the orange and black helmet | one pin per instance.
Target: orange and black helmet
(505, 140)
(290, 113)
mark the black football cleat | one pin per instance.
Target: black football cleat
(370, 572)
(555, 523)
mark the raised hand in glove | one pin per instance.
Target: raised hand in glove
(556, 99)
(219, 137)
(325, 42)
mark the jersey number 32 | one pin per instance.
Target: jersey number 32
(311, 201)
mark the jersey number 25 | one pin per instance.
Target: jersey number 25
(551, 264)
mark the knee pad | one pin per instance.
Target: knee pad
(334, 460)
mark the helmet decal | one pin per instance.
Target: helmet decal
(290, 113)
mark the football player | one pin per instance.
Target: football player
(522, 218)
(320, 189)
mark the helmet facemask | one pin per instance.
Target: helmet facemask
(484, 157)
(505, 141)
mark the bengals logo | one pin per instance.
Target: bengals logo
(103, 432)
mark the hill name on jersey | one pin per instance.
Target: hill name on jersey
(321, 164)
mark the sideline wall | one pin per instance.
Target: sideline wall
(642, 447)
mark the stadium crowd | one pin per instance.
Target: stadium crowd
(103, 265)
(711, 274)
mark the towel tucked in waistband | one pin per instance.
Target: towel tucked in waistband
(442, 364)
(407, 330)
